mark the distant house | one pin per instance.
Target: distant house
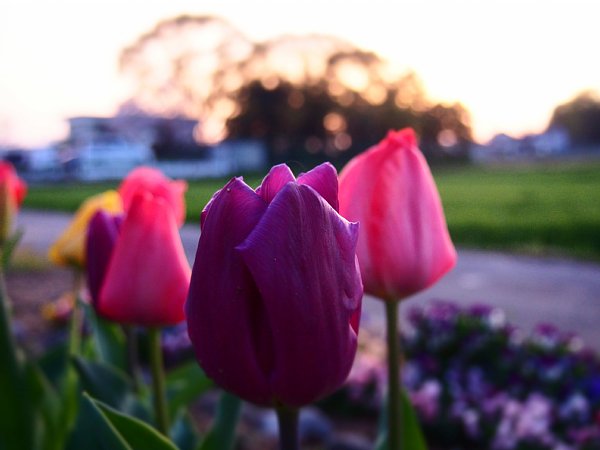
(225, 159)
(503, 148)
(97, 149)
(110, 159)
(105, 148)
(36, 164)
(555, 141)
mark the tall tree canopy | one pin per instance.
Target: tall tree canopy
(315, 96)
(580, 117)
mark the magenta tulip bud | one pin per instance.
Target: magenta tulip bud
(275, 296)
(148, 179)
(404, 245)
(138, 275)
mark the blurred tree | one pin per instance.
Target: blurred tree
(580, 117)
(309, 97)
(187, 66)
(445, 133)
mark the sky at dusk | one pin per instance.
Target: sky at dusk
(509, 62)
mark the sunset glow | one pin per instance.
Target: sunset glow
(509, 63)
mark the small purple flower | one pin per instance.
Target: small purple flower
(426, 399)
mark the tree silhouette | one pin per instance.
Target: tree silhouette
(308, 97)
(580, 117)
(187, 66)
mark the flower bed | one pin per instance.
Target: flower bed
(479, 383)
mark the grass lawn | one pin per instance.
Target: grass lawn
(552, 209)
(542, 209)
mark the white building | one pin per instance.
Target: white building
(108, 148)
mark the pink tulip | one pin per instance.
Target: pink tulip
(146, 279)
(12, 193)
(275, 295)
(147, 179)
(404, 245)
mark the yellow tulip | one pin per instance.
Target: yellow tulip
(69, 248)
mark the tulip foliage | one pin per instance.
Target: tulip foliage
(272, 304)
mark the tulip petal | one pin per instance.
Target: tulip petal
(147, 279)
(12, 193)
(226, 320)
(324, 180)
(276, 179)
(302, 258)
(206, 208)
(69, 248)
(148, 179)
(413, 243)
(357, 188)
(404, 245)
(102, 235)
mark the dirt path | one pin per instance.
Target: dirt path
(530, 290)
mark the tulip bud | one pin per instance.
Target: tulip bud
(404, 245)
(147, 179)
(69, 248)
(12, 193)
(275, 296)
(103, 231)
(146, 279)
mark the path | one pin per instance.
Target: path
(529, 290)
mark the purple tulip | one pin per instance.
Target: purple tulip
(102, 235)
(275, 296)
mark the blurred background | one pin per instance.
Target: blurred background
(505, 99)
(503, 95)
(310, 81)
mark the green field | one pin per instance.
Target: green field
(535, 210)
(548, 209)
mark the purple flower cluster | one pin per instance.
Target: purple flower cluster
(477, 382)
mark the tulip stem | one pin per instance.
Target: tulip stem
(158, 380)
(394, 374)
(288, 429)
(132, 356)
(76, 319)
(7, 341)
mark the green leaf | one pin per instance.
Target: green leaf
(222, 434)
(9, 247)
(111, 386)
(94, 431)
(46, 405)
(184, 385)
(55, 371)
(183, 433)
(138, 435)
(411, 434)
(109, 340)
(102, 381)
(16, 419)
(53, 363)
(69, 397)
